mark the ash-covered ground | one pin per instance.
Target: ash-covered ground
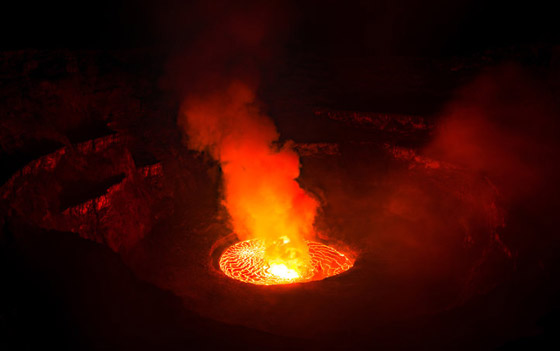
(438, 175)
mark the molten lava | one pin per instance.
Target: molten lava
(245, 261)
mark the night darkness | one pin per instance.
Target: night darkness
(140, 139)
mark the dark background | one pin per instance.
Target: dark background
(352, 28)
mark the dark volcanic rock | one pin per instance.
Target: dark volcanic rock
(111, 227)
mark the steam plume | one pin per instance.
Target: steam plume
(221, 115)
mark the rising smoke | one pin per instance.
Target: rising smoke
(221, 115)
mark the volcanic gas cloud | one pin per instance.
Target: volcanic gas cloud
(260, 191)
(221, 115)
(261, 194)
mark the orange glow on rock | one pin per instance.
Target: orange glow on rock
(245, 261)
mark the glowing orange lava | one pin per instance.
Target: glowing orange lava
(245, 261)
